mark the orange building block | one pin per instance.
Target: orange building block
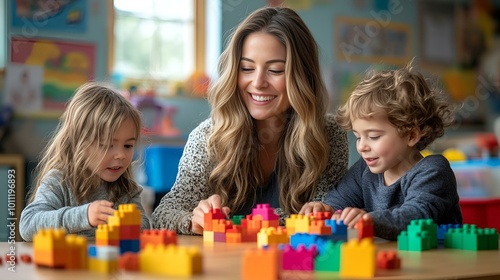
(50, 248)
(318, 227)
(129, 261)
(261, 264)
(107, 235)
(213, 214)
(126, 215)
(158, 236)
(76, 252)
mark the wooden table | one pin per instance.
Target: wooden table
(223, 261)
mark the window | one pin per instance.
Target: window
(157, 39)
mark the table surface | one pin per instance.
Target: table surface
(223, 261)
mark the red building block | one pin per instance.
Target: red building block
(365, 228)
(25, 258)
(129, 261)
(318, 227)
(213, 214)
(388, 260)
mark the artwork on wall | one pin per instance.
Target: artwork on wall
(23, 87)
(370, 41)
(61, 15)
(66, 65)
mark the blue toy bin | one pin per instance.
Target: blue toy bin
(161, 165)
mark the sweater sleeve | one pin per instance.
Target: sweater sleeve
(338, 159)
(50, 209)
(191, 185)
(429, 191)
(349, 191)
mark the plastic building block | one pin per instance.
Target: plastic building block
(453, 238)
(158, 236)
(358, 259)
(237, 219)
(270, 223)
(103, 259)
(170, 260)
(322, 215)
(129, 262)
(442, 229)
(50, 248)
(266, 212)
(388, 260)
(299, 259)
(130, 246)
(425, 225)
(221, 225)
(10, 258)
(219, 237)
(76, 252)
(272, 237)
(403, 241)
(126, 215)
(365, 228)
(318, 227)
(208, 236)
(261, 264)
(419, 241)
(329, 259)
(213, 214)
(130, 232)
(302, 223)
(338, 227)
(107, 235)
(25, 258)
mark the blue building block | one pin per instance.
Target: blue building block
(129, 246)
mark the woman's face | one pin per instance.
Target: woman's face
(261, 77)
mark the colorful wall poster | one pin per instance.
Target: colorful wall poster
(66, 65)
(60, 15)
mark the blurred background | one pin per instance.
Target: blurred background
(163, 53)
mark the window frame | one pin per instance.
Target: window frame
(199, 35)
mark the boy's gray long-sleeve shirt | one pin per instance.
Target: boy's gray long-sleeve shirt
(426, 191)
(54, 206)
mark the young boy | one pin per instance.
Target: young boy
(394, 115)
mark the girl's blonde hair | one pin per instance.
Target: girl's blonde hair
(90, 120)
(407, 99)
(234, 146)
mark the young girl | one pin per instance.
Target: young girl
(394, 115)
(85, 171)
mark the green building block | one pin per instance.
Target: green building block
(329, 261)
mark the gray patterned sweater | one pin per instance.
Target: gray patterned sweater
(54, 206)
(191, 185)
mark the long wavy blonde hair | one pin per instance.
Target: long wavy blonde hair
(90, 120)
(303, 148)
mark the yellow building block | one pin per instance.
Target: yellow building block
(103, 266)
(107, 232)
(170, 260)
(49, 248)
(208, 236)
(126, 215)
(272, 236)
(302, 223)
(358, 259)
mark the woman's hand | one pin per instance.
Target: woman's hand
(314, 207)
(99, 211)
(198, 219)
(350, 216)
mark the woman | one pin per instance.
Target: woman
(268, 139)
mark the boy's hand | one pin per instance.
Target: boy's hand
(203, 207)
(350, 215)
(314, 207)
(99, 211)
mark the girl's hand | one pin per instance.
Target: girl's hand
(314, 207)
(350, 215)
(203, 207)
(99, 211)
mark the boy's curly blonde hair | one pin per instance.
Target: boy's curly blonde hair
(407, 99)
